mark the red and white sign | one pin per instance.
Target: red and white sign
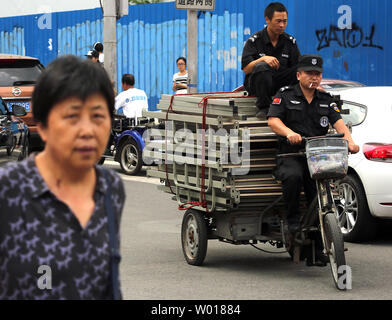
(203, 5)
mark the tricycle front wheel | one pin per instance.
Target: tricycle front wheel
(130, 157)
(335, 247)
(194, 237)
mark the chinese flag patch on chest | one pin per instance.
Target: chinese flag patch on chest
(277, 101)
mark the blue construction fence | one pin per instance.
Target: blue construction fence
(153, 36)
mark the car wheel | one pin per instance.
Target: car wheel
(354, 216)
(30, 148)
(25, 151)
(11, 148)
(130, 157)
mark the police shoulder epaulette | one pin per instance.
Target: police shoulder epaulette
(290, 38)
(254, 36)
(285, 88)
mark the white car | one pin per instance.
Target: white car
(335, 84)
(366, 192)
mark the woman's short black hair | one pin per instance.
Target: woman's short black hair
(181, 58)
(67, 77)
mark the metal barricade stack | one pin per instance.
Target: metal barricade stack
(238, 148)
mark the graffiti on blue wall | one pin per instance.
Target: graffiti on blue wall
(347, 38)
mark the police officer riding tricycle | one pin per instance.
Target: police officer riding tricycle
(316, 237)
(309, 163)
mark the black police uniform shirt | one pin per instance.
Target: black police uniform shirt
(309, 120)
(260, 45)
(37, 229)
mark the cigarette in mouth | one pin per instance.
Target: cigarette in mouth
(311, 85)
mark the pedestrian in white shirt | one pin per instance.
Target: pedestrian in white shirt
(132, 101)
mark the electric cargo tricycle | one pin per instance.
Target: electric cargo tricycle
(225, 203)
(126, 143)
(327, 161)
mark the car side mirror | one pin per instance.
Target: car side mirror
(18, 110)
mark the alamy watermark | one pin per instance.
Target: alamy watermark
(44, 282)
(345, 278)
(229, 149)
(346, 19)
(45, 20)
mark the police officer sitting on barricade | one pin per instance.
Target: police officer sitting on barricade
(269, 58)
(296, 111)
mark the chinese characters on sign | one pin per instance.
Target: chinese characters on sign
(196, 4)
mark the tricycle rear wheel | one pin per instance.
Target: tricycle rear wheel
(194, 237)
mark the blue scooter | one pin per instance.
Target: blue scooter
(126, 143)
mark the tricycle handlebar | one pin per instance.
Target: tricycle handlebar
(333, 135)
(305, 139)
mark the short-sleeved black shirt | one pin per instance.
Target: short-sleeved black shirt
(259, 45)
(291, 106)
(37, 229)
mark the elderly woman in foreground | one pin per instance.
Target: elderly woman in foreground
(56, 207)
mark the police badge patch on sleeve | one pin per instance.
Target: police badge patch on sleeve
(324, 122)
(335, 107)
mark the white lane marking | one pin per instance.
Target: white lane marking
(116, 167)
(141, 179)
(172, 226)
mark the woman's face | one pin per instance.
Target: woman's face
(181, 65)
(77, 131)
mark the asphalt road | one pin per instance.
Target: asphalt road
(153, 266)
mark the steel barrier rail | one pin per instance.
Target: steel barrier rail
(215, 173)
(219, 201)
(222, 188)
(217, 184)
(218, 122)
(235, 112)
